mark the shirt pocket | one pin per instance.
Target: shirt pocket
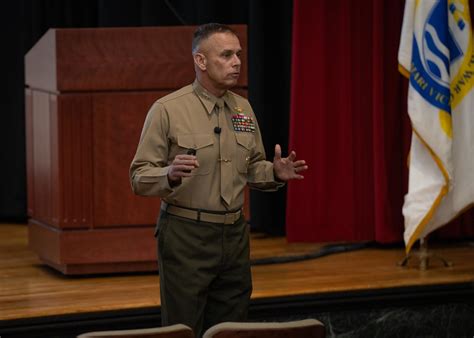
(245, 142)
(204, 146)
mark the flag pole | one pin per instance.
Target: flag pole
(423, 255)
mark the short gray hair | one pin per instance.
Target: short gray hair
(205, 31)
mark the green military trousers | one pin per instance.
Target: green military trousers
(204, 271)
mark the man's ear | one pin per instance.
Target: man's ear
(200, 60)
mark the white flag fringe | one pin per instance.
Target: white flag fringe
(436, 54)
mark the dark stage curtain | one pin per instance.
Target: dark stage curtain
(269, 93)
(349, 120)
(23, 22)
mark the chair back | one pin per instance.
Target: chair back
(306, 328)
(172, 331)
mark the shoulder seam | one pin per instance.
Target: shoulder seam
(172, 97)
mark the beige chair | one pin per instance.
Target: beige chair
(172, 331)
(306, 328)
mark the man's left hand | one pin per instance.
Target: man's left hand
(287, 168)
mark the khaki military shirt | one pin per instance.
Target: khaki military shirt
(227, 160)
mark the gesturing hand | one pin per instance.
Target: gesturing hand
(181, 167)
(287, 168)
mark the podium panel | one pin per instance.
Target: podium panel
(87, 94)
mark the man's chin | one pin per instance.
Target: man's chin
(231, 83)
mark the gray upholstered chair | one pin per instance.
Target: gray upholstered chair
(172, 331)
(306, 328)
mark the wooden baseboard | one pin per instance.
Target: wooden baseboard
(94, 251)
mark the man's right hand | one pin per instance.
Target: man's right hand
(181, 167)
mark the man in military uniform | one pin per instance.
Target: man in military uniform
(198, 149)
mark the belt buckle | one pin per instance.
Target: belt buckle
(230, 218)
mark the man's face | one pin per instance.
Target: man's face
(222, 54)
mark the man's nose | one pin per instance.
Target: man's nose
(236, 60)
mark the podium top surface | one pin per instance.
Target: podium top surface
(114, 59)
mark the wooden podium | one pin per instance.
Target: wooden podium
(87, 94)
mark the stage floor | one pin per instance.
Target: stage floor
(31, 291)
